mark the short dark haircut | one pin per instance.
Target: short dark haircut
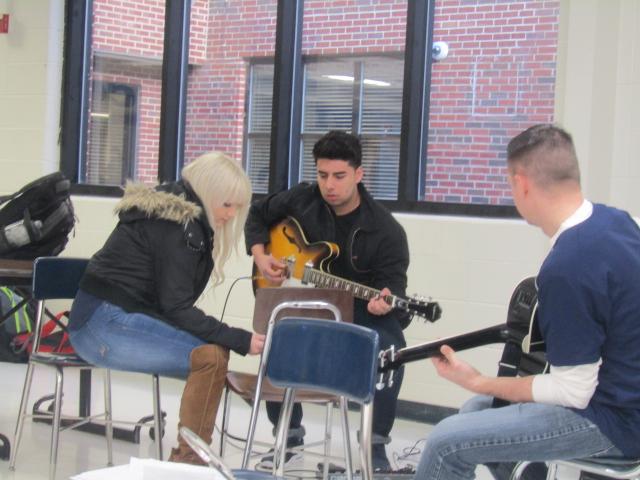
(555, 159)
(339, 145)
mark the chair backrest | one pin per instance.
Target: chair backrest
(267, 299)
(329, 356)
(53, 278)
(57, 277)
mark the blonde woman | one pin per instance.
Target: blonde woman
(135, 308)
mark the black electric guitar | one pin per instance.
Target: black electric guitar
(310, 264)
(521, 331)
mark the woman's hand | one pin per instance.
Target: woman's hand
(257, 344)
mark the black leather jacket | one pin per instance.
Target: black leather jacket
(158, 261)
(377, 244)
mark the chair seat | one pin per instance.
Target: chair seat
(608, 462)
(244, 385)
(622, 462)
(62, 359)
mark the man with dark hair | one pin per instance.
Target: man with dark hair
(373, 251)
(589, 317)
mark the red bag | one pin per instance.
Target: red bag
(51, 340)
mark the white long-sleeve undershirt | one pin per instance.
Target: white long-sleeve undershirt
(567, 386)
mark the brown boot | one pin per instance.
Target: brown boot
(200, 399)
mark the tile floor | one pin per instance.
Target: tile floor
(80, 452)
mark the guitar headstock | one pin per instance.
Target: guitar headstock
(386, 359)
(427, 309)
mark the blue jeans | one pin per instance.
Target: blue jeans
(501, 436)
(133, 342)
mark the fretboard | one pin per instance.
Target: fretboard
(326, 280)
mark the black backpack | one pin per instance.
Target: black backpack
(37, 219)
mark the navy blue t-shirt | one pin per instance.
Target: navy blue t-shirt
(589, 308)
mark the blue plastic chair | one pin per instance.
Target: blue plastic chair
(273, 304)
(320, 355)
(59, 278)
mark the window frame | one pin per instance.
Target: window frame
(287, 103)
(130, 127)
(415, 114)
(75, 88)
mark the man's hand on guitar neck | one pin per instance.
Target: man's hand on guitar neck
(270, 268)
(512, 389)
(378, 305)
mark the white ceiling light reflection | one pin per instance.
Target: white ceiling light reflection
(366, 81)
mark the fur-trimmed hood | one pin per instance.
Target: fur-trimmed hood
(153, 203)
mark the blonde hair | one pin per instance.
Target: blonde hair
(215, 178)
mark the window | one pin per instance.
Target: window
(223, 34)
(363, 96)
(112, 135)
(258, 135)
(433, 134)
(497, 80)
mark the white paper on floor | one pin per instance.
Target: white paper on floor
(151, 469)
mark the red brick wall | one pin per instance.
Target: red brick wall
(348, 27)
(128, 41)
(498, 79)
(216, 95)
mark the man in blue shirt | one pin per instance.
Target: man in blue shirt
(589, 316)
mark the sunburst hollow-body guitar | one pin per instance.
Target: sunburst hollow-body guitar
(310, 264)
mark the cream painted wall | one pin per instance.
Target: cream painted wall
(470, 265)
(598, 93)
(30, 78)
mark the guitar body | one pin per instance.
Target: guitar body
(289, 245)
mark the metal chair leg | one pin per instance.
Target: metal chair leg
(108, 418)
(225, 421)
(551, 471)
(255, 407)
(22, 413)
(327, 440)
(518, 470)
(280, 448)
(157, 416)
(348, 459)
(55, 424)
(365, 441)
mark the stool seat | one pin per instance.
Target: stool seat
(60, 359)
(244, 385)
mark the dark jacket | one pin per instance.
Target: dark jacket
(158, 261)
(377, 245)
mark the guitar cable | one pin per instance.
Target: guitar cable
(409, 455)
(226, 300)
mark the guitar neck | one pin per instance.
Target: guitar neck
(486, 336)
(326, 280)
